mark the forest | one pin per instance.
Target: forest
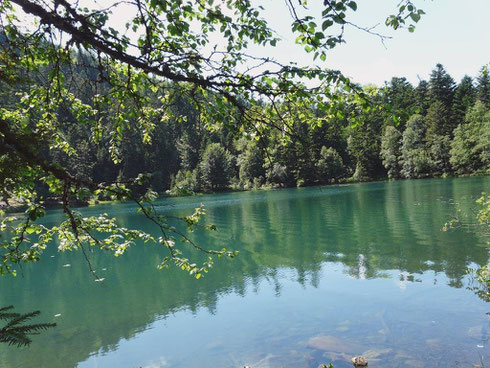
(436, 128)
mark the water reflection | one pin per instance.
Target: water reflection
(320, 271)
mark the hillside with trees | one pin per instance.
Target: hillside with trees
(438, 127)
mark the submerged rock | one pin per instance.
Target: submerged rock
(414, 363)
(477, 332)
(332, 356)
(264, 362)
(333, 344)
(373, 354)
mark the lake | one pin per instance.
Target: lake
(323, 274)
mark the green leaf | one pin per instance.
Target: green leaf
(415, 17)
(352, 5)
(327, 23)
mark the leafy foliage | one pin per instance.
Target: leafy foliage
(330, 165)
(390, 151)
(415, 157)
(469, 149)
(440, 153)
(251, 163)
(482, 226)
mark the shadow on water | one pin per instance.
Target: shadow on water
(323, 274)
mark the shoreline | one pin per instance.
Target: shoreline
(55, 203)
(339, 183)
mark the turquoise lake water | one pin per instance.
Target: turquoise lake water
(323, 274)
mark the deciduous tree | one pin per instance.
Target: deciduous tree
(390, 151)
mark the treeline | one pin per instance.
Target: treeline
(435, 128)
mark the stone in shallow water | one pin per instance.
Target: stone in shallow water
(331, 356)
(265, 362)
(333, 344)
(475, 332)
(343, 326)
(373, 354)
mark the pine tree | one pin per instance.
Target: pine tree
(441, 86)
(483, 86)
(438, 120)
(464, 98)
(364, 145)
(16, 331)
(422, 99)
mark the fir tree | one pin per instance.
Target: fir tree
(16, 331)
(438, 120)
(483, 86)
(441, 86)
(422, 97)
(464, 98)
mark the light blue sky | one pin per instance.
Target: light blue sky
(453, 32)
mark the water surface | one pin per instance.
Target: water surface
(323, 274)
